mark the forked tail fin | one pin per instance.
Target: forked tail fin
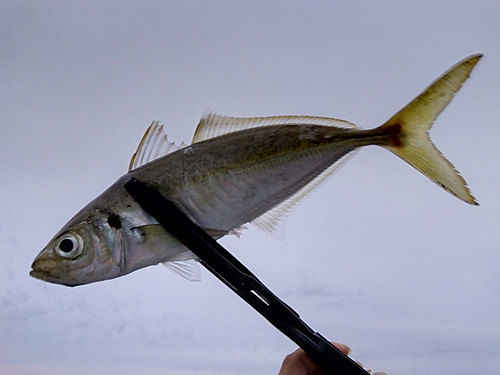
(412, 143)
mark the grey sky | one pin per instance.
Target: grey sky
(378, 258)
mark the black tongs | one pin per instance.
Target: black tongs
(243, 282)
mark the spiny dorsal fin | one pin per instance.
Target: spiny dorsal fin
(154, 144)
(214, 125)
(273, 220)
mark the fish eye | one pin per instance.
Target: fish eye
(69, 245)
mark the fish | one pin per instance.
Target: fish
(237, 171)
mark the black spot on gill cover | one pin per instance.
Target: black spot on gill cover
(114, 221)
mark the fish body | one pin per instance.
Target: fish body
(236, 171)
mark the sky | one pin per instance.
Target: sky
(378, 258)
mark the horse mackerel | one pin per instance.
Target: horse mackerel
(237, 170)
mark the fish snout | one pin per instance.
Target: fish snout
(47, 268)
(40, 268)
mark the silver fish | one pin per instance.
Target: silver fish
(237, 170)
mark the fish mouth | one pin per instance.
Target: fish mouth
(45, 276)
(41, 275)
(37, 271)
(40, 269)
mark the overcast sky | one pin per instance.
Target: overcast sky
(379, 258)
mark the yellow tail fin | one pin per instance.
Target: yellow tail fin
(413, 144)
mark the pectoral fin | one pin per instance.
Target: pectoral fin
(175, 256)
(157, 243)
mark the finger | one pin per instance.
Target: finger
(343, 348)
(298, 363)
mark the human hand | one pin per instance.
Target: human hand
(298, 363)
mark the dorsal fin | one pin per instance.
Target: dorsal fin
(154, 144)
(214, 125)
(273, 220)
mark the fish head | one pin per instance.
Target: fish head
(86, 250)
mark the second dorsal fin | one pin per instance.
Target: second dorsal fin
(214, 125)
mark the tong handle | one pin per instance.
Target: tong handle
(237, 277)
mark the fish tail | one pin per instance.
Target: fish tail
(408, 130)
